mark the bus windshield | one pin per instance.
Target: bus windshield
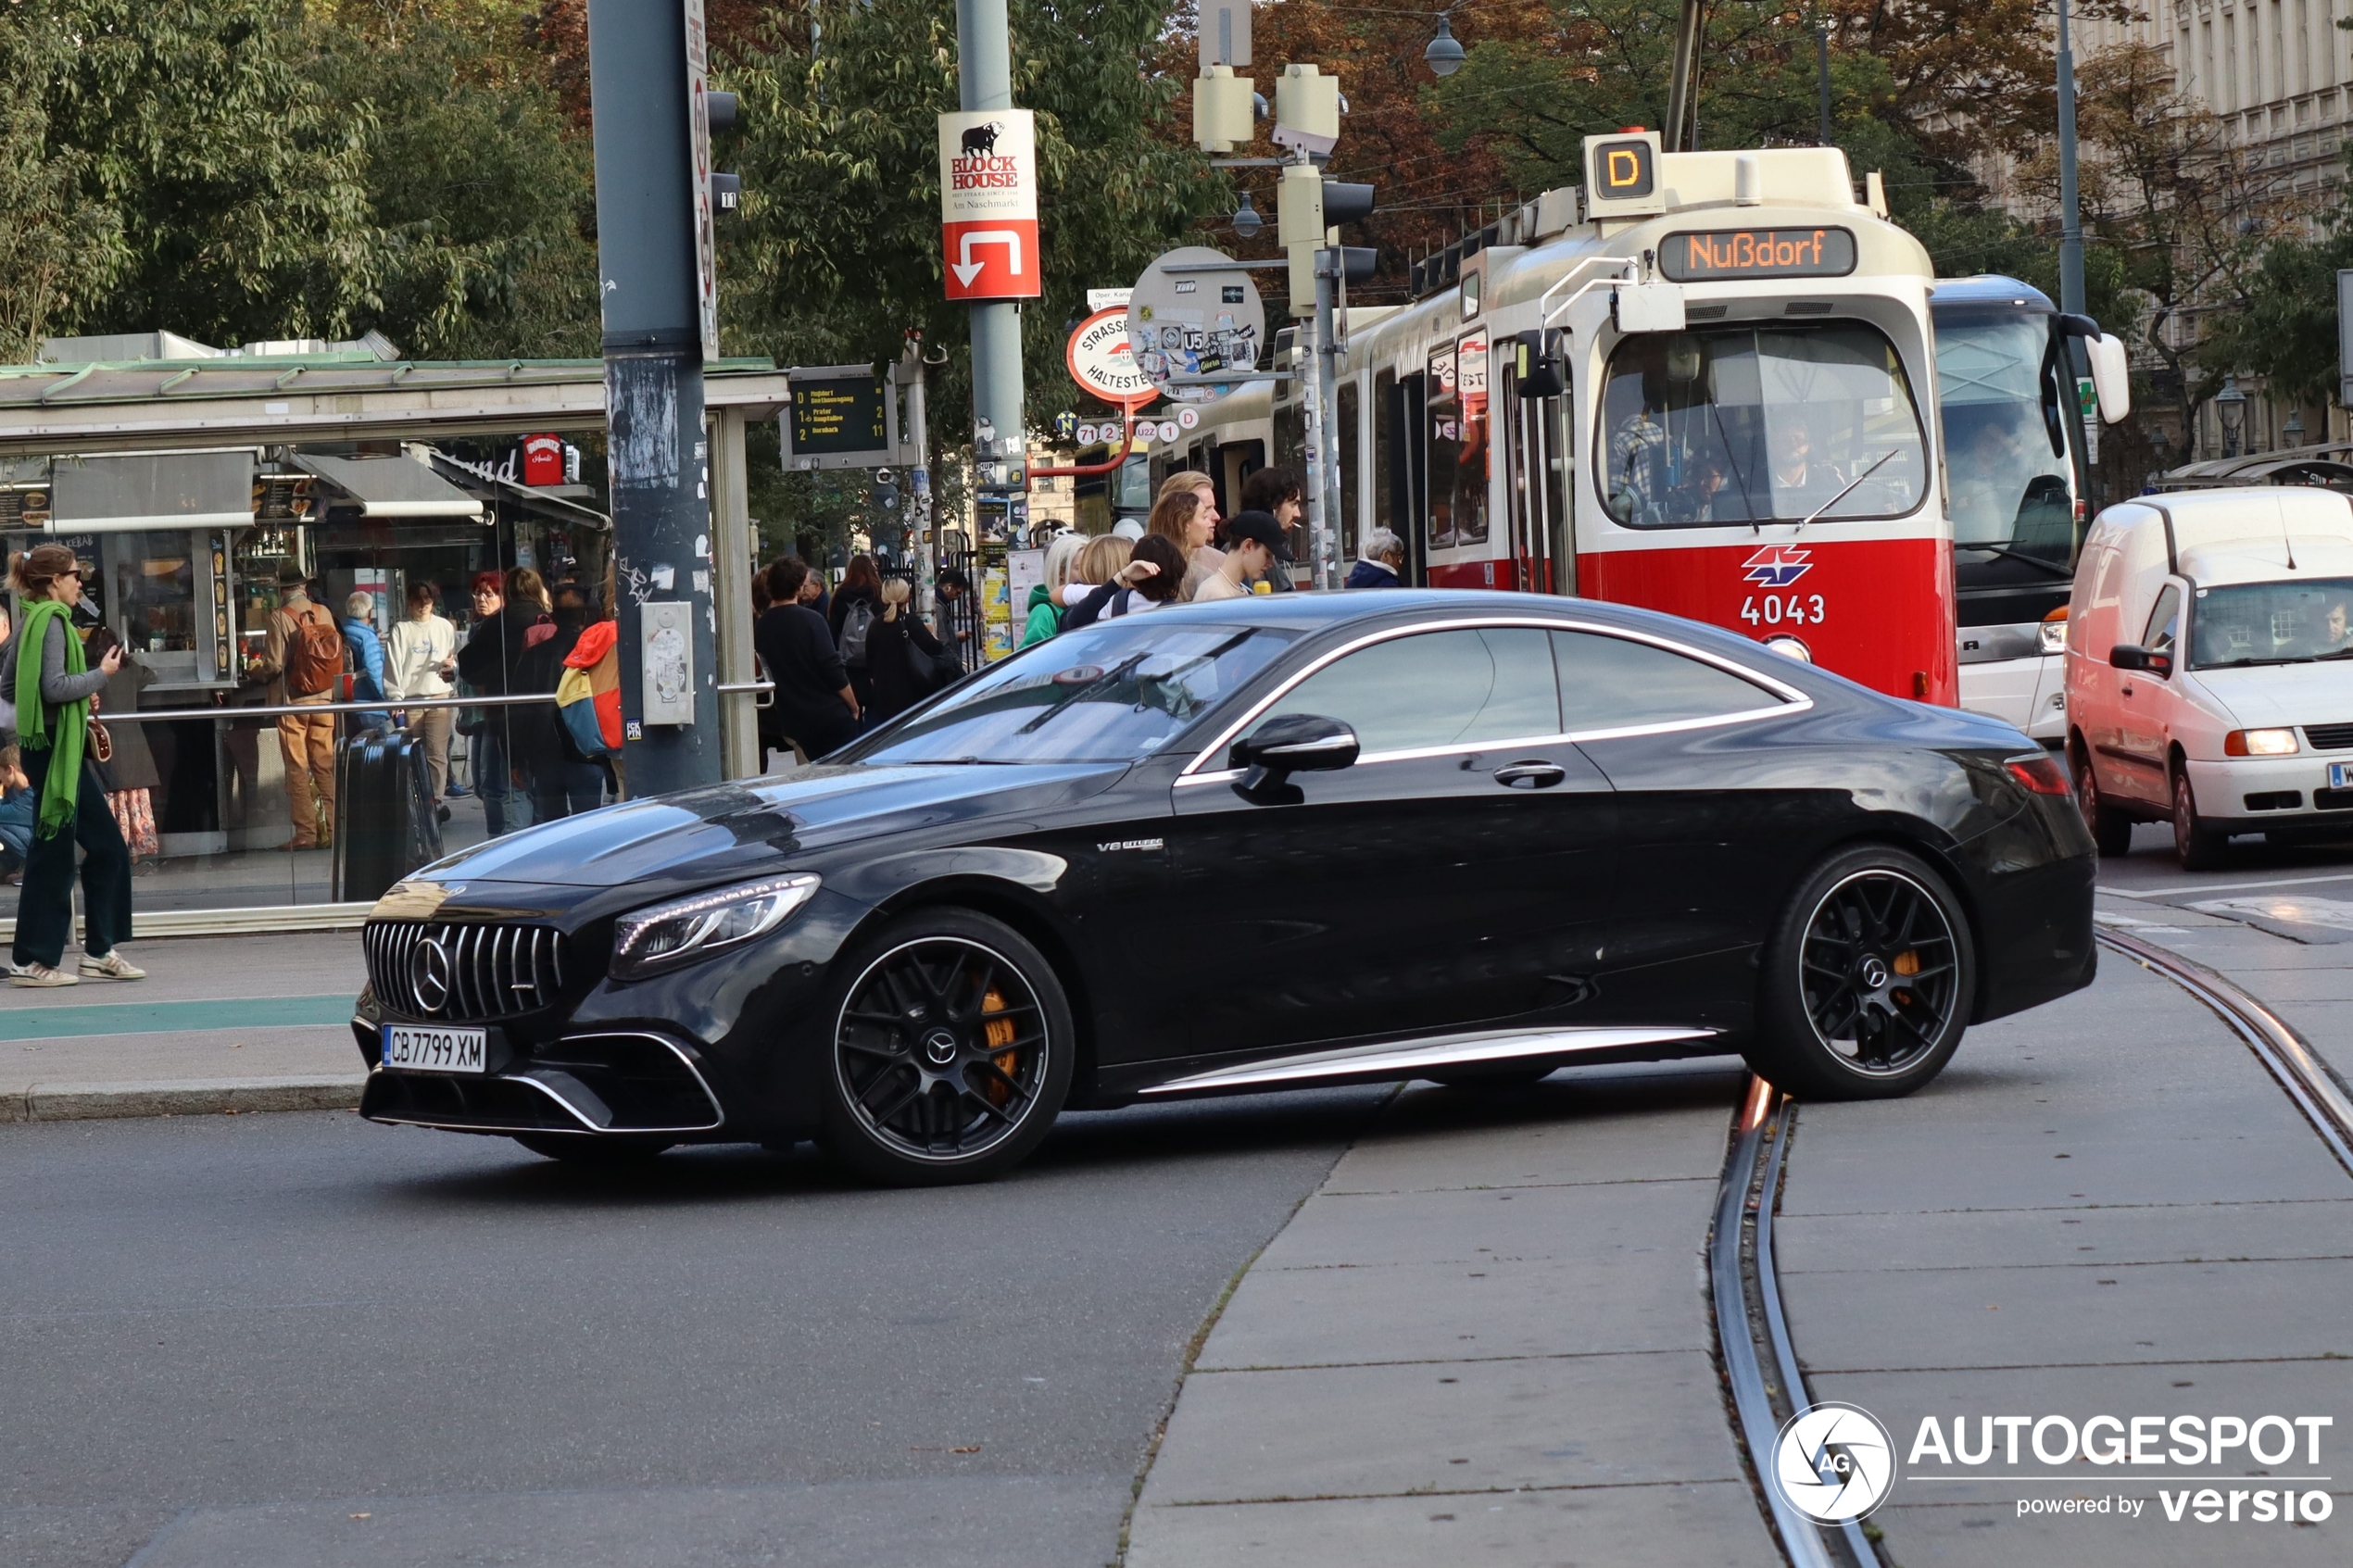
(2005, 437)
(1749, 424)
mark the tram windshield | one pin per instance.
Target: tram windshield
(2005, 437)
(1760, 425)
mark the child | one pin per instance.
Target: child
(17, 805)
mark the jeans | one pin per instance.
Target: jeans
(504, 807)
(44, 904)
(566, 789)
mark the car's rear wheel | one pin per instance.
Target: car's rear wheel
(2111, 829)
(1869, 976)
(594, 1151)
(2197, 846)
(952, 1054)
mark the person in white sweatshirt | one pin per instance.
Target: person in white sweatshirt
(420, 657)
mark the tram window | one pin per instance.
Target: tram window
(1345, 444)
(1757, 425)
(1613, 683)
(1997, 381)
(1435, 689)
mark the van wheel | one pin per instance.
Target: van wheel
(2199, 848)
(1868, 978)
(2111, 829)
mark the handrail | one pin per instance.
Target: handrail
(377, 705)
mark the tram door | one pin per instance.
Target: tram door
(1405, 410)
(1536, 450)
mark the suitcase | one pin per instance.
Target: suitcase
(386, 826)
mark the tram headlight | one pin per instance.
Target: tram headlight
(1791, 647)
(2051, 637)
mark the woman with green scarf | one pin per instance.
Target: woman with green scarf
(43, 673)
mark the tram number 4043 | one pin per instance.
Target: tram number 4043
(1780, 610)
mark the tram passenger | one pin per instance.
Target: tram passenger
(1801, 481)
(1254, 549)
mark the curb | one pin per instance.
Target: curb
(197, 1096)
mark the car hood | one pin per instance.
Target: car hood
(733, 829)
(2281, 696)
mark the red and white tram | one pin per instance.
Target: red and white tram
(1705, 384)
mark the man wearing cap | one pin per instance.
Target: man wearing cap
(1253, 543)
(306, 741)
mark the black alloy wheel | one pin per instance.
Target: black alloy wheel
(2111, 829)
(1869, 981)
(2197, 846)
(952, 1052)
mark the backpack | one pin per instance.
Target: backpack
(314, 653)
(856, 622)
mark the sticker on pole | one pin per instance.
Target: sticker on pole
(988, 204)
(1101, 364)
(1193, 315)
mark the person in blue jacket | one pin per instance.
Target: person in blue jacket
(364, 653)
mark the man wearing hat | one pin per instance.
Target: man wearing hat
(1253, 543)
(302, 659)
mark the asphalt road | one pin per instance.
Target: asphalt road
(301, 1341)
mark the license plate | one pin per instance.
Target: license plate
(2340, 774)
(414, 1049)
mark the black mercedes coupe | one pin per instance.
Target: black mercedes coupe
(1270, 842)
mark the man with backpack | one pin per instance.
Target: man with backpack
(302, 660)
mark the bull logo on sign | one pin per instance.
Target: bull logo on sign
(980, 141)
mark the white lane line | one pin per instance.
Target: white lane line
(2220, 886)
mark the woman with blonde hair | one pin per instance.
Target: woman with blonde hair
(1045, 612)
(903, 657)
(45, 675)
(1187, 518)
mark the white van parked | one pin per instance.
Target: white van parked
(2209, 668)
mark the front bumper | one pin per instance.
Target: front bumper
(621, 1081)
(2255, 794)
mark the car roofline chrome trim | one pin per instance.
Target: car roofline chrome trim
(1402, 1058)
(1794, 700)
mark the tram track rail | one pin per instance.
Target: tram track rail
(2309, 1081)
(1762, 1375)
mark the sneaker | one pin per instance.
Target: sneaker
(40, 974)
(113, 966)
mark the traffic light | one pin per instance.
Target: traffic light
(1309, 208)
(1223, 111)
(719, 112)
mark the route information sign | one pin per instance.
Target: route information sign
(988, 204)
(842, 417)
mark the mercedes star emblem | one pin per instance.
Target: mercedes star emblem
(430, 974)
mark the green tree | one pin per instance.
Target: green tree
(58, 246)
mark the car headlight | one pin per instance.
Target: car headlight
(2051, 637)
(686, 929)
(2259, 743)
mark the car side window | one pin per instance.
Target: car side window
(1435, 689)
(1614, 682)
(2165, 621)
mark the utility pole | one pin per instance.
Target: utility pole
(1322, 383)
(2071, 221)
(653, 257)
(984, 82)
(1822, 76)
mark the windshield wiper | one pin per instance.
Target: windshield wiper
(1850, 490)
(2053, 567)
(2250, 662)
(1108, 677)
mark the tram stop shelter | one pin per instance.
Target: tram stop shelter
(186, 477)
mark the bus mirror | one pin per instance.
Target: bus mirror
(2111, 375)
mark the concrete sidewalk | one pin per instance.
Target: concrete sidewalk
(1485, 1337)
(221, 1023)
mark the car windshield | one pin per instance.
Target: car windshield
(1755, 425)
(1114, 692)
(2248, 624)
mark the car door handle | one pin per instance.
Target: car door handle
(1530, 775)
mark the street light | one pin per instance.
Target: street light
(2229, 404)
(2293, 428)
(1246, 220)
(1444, 56)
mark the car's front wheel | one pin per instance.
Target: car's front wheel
(951, 1051)
(2197, 846)
(1868, 982)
